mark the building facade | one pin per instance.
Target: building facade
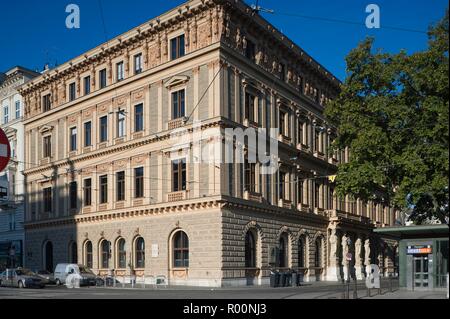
(11, 179)
(110, 187)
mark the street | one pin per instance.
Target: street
(308, 291)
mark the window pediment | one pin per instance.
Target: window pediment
(45, 129)
(176, 81)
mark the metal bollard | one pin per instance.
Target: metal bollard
(123, 282)
(355, 291)
(368, 293)
(143, 283)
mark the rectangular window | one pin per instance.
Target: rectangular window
(282, 187)
(121, 124)
(301, 133)
(47, 103)
(177, 47)
(138, 63)
(282, 72)
(120, 71)
(87, 85)
(250, 50)
(251, 105)
(139, 182)
(179, 175)
(102, 78)
(103, 129)
(18, 113)
(284, 124)
(250, 176)
(12, 221)
(87, 192)
(6, 114)
(47, 144)
(120, 187)
(139, 118)
(47, 200)
(87, 134)
(73, 196)
(73, 139)
(301, 192)
(178, 104)
(72, 91)
(317, 195)
(103, 189)
(316, 141)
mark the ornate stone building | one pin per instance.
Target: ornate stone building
(104, 191)
(11, 179)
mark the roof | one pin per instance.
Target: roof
(405, 232)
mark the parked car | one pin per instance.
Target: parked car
(47, 276)
(87, 277)
(21, 278)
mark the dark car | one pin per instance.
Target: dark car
(48, 276)
(21, 278)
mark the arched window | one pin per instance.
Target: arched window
(180, 250)
(301, 253)
(88, 255)
(48, 254)
(73, 250)
(318, 253)
(121, 254)
(105, 246)
(140, 253)
(282, 252)
(250, 250)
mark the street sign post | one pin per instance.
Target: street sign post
(5, 150)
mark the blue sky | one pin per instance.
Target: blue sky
(33, 32)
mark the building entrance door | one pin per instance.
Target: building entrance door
(420, 273)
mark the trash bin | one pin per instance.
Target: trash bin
(274, 279)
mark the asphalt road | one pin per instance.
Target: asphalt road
(311, 291)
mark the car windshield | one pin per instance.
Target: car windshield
(24, 272)
(85, 270)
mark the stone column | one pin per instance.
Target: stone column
(367, 259)
(333, 268)
(345, 251)
(359, 262)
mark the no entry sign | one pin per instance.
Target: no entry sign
(5, 150)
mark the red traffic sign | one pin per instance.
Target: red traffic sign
(5, 150)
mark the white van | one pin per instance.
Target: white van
(88, 278)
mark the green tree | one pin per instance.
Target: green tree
(393, 115)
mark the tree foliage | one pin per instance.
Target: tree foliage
(393, 114)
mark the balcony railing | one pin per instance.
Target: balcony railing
(176, 196)
(177, 123)
(340, 214)
(284, 203)
(253, 196)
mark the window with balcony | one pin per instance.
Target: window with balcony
(102, 78)
(47, 146)
(47, 103)
(179, 175)
(138, 63)
(178, 104)
(87, 85)
(72, 92)
(103, 189)
(73, 139)
(103, 129)
(284, 124)
(139, 118)
(120, 186)
(120, 74)
(177, 47)
(139, 182)
(87, 134)
(87, 190)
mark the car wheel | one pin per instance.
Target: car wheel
(20, 284)
(58, 282)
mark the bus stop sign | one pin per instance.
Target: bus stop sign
(5, 150)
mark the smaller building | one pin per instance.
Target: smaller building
(423, 255)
